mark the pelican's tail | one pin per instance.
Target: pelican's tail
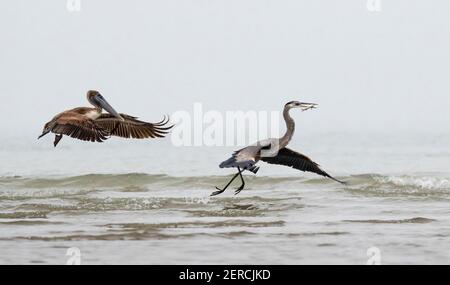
(47, 129)
(43, 134)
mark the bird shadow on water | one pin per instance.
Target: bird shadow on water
(245, 207)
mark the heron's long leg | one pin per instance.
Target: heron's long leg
(243, 183)
(225, 188)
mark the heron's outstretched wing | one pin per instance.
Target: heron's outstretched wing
(79, 127)
(244, 158)
(131, 127)
(298, 161)
(247, 157)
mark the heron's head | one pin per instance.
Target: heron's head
(302, 105)
(95, 98)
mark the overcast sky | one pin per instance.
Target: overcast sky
(387, 70)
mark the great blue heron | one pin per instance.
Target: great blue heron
(273, 151)
(90, 124)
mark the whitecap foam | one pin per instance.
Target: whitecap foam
(424, 183)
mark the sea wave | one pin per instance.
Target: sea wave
(425, 183)
(47, 187)
(400, 185)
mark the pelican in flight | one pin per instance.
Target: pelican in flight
(273, 151)
(91, 124)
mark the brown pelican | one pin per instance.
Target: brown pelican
(273, 151)
(90, 124)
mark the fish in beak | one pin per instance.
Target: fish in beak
(307, 106)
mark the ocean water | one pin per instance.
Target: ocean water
(147, 202)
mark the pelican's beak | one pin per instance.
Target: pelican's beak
(105, 105)
(307, 106)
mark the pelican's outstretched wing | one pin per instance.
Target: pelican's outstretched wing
(79, 127)
(131, 127)
(298, 161)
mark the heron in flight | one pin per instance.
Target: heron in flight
(273, 151)
(91, 124)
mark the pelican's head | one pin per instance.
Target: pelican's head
(96, 99)
(301, 105)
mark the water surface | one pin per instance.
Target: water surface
(148, 203)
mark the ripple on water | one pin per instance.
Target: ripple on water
(24, 215)
(198, 224)
(142, 231)
(417, 220)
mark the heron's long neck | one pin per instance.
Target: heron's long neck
(290, 126)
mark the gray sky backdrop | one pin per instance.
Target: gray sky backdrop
(385, 71)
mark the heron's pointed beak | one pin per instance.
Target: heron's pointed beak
(105, 105)
(307, 106)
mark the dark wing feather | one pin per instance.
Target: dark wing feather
(298, 161)
(85, 130)
(131, 127)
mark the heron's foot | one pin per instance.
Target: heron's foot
(219, 191)
(239, 190)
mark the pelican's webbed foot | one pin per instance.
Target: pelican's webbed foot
(57, 139)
